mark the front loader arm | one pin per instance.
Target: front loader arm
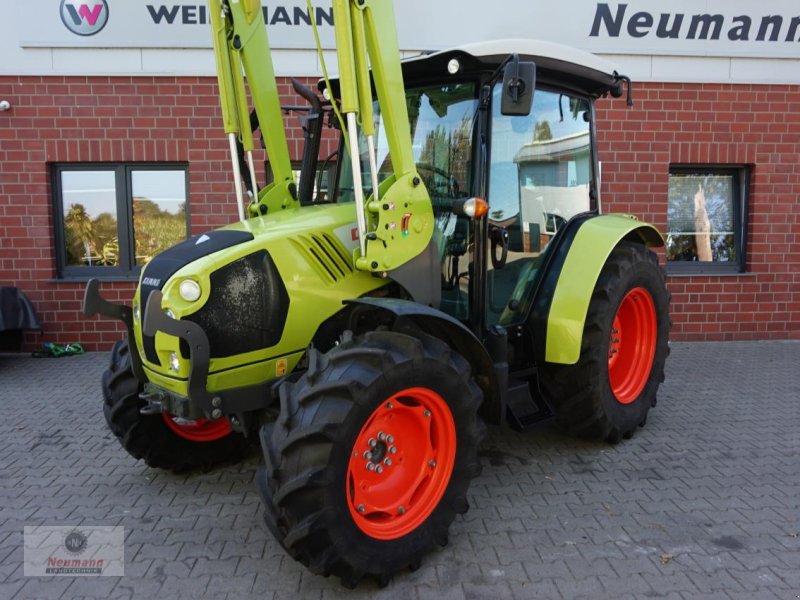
(395, 223)
(241, 44)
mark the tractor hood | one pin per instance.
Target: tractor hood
(259, 289)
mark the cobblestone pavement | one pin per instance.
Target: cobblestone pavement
(702, 503)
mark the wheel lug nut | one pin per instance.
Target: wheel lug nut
(372, 443)
(427, 413)
(379, 469)
(381, 436)
(370, 466)
(367, 455)
(401, 510)
(431, 463)
(390, 439)
(392, 449)
(361, 508)
(387, 462)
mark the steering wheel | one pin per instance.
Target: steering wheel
(447, 189)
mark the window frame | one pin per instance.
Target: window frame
(123, 182)
(740, 175)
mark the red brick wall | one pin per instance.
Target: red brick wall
(102, 119)
(124, 119)
(750, 125)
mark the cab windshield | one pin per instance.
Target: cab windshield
(442, 119)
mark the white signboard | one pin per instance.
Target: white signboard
(725, 28)
(156, 24)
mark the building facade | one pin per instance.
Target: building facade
(115, 103)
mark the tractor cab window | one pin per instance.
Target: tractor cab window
(539, 177)
(442, 119)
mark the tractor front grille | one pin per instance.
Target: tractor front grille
(247, 307)
(165, 265)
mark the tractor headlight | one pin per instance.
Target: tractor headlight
(174, 362)
(189, 290)
(453, 66)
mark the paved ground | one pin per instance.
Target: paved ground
(702, 503)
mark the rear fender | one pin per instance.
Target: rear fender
(593, 242)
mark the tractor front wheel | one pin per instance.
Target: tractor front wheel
(162, 441)
(611, 388)
(371, 455)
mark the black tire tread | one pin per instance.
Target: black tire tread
(575, 391)
(298, 446)
(147, 437)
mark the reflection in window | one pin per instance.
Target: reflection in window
(90, 218)
(441, 119)
(704, 223)
(111, 219)
(159, 211)
(541, 167)
(540, 177)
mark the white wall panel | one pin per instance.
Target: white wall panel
(690, 68)
(90, 61)
(35, 40)
(764, 70)
(189, 61)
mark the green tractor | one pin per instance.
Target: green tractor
(457, 271)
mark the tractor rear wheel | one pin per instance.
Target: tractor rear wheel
(371, 456)
(611, 388)
(162, 441)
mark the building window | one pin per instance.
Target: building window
(706, 219)
(112, 219)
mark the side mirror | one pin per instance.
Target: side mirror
(519, 82)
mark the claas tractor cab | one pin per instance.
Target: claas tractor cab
(457, 271)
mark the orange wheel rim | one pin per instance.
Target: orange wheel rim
(632, 345)
(401, 463)
(198, 430)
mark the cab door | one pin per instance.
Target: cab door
(540, 175)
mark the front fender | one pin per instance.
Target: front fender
(587, 255)
(454, 334)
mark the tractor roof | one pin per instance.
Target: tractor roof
(555, 63)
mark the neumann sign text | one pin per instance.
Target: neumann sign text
(619, 21)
